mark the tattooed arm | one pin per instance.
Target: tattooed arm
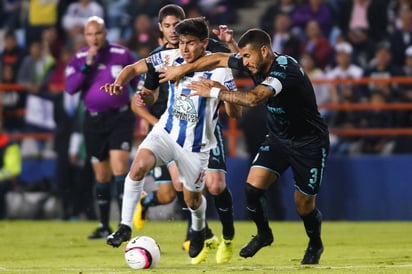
(250, 98)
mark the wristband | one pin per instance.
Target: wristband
(214, 92)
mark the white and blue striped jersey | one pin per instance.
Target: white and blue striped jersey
(190, 120)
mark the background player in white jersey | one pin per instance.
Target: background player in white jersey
(184, 133)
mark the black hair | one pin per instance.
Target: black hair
(255, 37)
(193, 26)
(173, 10)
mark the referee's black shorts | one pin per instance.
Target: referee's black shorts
(109, 130)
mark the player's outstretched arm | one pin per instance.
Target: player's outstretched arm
(207, 62)
(125, 76)
(213, 89)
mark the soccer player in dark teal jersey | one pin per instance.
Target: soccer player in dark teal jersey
(297, 135)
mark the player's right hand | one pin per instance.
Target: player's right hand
(112, 89)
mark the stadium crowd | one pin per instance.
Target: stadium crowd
(332, 39)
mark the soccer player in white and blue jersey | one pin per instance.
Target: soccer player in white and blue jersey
(184, 133)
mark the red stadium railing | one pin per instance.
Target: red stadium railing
(232, 133)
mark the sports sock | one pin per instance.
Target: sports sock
(119, 186)
(103, 199)
(199, 216)
(313, 225)
(150, 199)
(132, 191)
(256, 207)
(224, 207)
(185, 212)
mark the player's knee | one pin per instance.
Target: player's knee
(216, 187)
(138, 171)
(253, 194)
(305, 204)
(167, 196)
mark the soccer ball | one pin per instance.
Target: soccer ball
(142, 252)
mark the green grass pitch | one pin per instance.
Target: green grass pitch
(63, 247)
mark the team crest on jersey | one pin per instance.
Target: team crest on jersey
(184, 109)
(115, 70)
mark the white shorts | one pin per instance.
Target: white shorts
(191, 165)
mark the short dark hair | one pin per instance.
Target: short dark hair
(256, 37)
(193, 26)
(173, 10)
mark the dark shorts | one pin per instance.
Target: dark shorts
(161, 175)
(109, 130)
(307, 158)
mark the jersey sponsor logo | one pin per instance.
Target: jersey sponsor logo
(276, 110)
(277, 74)
(230, 84)
(184, 109)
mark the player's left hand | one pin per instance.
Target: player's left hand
(224, 34)
(172, 73)
(112, 89)
(203, 87)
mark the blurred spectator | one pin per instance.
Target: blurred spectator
(141, 32)
(310, 10)
(363, 23)
(344, 69)
(401, 38)
(13, 102)
(217, 12)
(383, 67)
(148, 7)
(34, 75)
(321, 90)
(10, 14)
(395, 9)
(116, 13)
(317, 45)
(52, 42)
(286, 7)
(377, 118)
(343, 94)
(41, 14)
(283, 40)
(35, 70)
(404, 143)
(76, 15)
(10, 168)
(12, 54)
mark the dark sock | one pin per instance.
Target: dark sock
(151, 199)
(224, 207)
(103, 199)
(119, 186)
(185, 212)
(208, 232)
(313, 224)
(256, 207)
